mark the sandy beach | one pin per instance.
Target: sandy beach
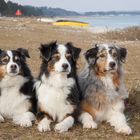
(30, 33)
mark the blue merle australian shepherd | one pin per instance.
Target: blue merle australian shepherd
(102, 85)
(57, 89)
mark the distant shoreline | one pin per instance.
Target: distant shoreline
(92, 29)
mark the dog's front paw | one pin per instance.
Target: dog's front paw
(125, 129)
(1, 119)
(44, 125)
(61, 127)
(23, 122)
(87, 120)
(90, 124)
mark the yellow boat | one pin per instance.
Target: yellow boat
(70, 23)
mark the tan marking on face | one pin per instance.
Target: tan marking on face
(50, 67)
(55, 58)
(2, 72)
(100, 67)
(5, 59)
(101, 63)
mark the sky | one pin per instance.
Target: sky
(86, 5)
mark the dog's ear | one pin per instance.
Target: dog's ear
(23, 52)
(46, 50)
(123, 54)
(75, 51)
(91, 54)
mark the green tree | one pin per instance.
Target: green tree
(3, 6)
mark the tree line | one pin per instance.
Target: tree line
(10, 8)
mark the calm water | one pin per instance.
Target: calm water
(111, 21)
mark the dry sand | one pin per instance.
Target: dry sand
(29, 33)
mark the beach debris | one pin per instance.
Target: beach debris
(47, 20)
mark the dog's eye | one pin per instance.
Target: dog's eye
(114, 54)
(68, 55)
(5, 60)
(102, 55)
(56, 57)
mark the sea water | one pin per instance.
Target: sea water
(111, 21)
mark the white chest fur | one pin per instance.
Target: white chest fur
(110, 90)
(12, 102)
(52, 97)
(107, 81)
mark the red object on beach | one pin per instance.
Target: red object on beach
(18, 13)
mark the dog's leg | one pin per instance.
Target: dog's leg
(25, 119)
(43, 122)
(87, 121)
(1, 118)
(65, 124)
(117, 119)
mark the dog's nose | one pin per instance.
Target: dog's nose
(65, 66)
(13, 67)
(112, 64)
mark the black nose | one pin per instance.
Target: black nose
(112, 64)
(65, 66)
(13, 67)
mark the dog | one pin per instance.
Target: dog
(103, 88)
(17, 99)
(57, 87)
